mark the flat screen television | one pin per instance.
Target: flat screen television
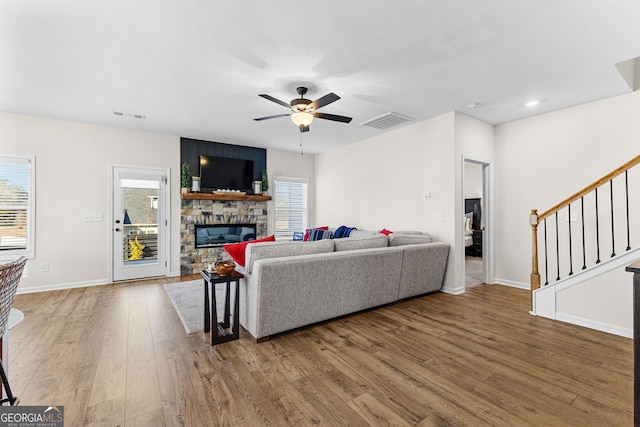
(223, 173)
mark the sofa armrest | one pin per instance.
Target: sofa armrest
(423, 268)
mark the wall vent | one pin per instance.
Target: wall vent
(387, 121)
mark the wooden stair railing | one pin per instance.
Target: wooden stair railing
(536, 219)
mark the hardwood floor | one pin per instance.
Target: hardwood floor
(118, 355)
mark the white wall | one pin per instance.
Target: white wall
(474, 139)
(379, 183)
(544, 159)
(72, 178)
(591, 303)
(291, 164)
(472, 180)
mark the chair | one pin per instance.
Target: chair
(10, 274)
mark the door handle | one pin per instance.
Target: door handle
(117, 229)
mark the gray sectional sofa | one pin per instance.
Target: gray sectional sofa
(292, 284)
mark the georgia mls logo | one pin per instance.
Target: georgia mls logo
(31, 416)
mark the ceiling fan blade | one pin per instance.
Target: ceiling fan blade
(333, 117)
(271, 117)
(304, 128)
(325, 100)
(276, 100)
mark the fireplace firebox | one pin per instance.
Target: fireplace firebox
(215, 235)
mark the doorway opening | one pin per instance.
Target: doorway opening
(476, 223)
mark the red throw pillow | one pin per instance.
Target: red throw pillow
(237, 250)
(386, 232)
(306, 232)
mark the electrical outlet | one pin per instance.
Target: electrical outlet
(440, 216)
(86, 217)
(427, 195)
(44, 267)
(97, 217)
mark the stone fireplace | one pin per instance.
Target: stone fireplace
(230, 215)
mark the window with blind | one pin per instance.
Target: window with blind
(291, 202)
(16, 206)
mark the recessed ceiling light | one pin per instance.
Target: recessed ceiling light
(473, 106)
(532, 103)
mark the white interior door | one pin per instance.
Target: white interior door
(139, 223)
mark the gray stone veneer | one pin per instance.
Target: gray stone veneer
(193, 212)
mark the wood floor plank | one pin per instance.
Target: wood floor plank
(75, 405)
(180, 399)
(153, 418)
(375, 412)
(142, 389)
(106, 414)
(111, 368)
(328, 404)
(39, 392)
(118, 355)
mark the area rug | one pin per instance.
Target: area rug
(188, 300)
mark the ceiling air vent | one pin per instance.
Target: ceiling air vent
(387, 120)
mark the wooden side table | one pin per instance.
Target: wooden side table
(227, 328)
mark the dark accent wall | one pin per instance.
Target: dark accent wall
(192, 149)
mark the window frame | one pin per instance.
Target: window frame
(29, 252)
(305, 219)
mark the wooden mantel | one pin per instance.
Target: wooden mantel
(229, 196)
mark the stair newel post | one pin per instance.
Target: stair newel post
(535, 275)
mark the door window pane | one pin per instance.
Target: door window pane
(139, 221)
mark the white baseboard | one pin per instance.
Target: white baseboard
(594, 324)
(60, 286)
(453, 291)
(511, 283)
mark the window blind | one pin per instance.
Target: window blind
(291, 206)
(15, 205)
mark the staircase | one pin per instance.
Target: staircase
(593, 232)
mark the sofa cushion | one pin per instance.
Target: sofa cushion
(374, 241)
(359, 234)
(397, 239)
(237, 250)
(285, 249)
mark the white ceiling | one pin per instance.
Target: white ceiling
(194, 68)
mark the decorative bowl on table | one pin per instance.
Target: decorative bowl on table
(225, 268)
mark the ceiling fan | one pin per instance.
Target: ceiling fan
(304, 110)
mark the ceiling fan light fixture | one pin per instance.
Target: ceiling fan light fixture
(300, 104)
(302, 118)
